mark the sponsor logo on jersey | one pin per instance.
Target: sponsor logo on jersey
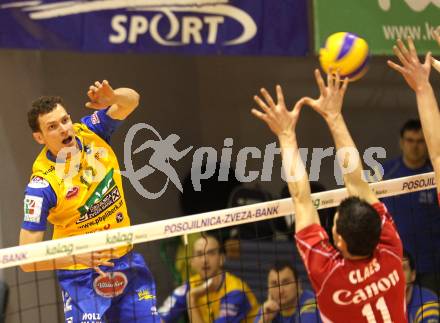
(110, 285)
(72, 192)
(94, 118)
(144, 294)
(32, 208)
(107, 201)
(38, 182)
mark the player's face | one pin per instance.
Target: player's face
(56, 130)
(207, 259)
(283, 287)
(413, 146)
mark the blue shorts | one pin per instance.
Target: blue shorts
(126, 294)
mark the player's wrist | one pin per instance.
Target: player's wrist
(422, 88)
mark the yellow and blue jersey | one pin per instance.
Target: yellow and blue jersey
(232, 302)
(305, 312)
(82, 194)
(423, 306)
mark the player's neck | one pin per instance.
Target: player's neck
(413, 164)
(348, 255)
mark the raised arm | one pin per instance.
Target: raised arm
(416, 75)
(283, 123)
(121, 101)
(329, 106)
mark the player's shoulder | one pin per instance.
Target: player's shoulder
(235, 282)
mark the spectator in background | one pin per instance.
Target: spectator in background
(417, 214)
(286, 300)
(422, 304)
(211, 295)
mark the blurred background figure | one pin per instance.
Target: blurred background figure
(211, 295)
(416, 215)
(422, 304)
(286, 300)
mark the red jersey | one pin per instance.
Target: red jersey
(366, 290)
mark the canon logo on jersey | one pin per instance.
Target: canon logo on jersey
(346, 297)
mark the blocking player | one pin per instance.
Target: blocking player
(361, 280)
(422, 304)
(212, 295)
(76, 186)
(416, 76)
(286, 300)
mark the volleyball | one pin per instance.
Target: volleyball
(347, 53)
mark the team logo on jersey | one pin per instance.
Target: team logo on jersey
(38, 182)
(111, 285)
(72, 192)
(32, 208)
(144, 294)
(94, 118)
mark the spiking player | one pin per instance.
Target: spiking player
(76, 186)
(361, 280)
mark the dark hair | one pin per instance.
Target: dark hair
(280, 265)
(359, 225)
(407, 255)
(214, 235)
(410, 125)
(42, 105)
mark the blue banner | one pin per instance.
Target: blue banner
(235, 27)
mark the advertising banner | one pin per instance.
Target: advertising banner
(237, 27)
(380, 22)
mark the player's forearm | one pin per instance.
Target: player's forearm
(53, 264)
(298, 182)
(126, 100)
(351, 162)
(430, 119)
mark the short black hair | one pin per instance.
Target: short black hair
(280, 265)
(410, 125)
(40, 106)
(407, 255)
(359, 225)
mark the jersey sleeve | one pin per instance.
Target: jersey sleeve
(101, 124)
(38, 200)
(389, 237)
(317, 253)
(175, 305)
(233, 307)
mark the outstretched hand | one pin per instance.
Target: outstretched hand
(329, 103)
(275, 115)
(101, 95)
(413, 71)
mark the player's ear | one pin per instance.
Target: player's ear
(38, 136)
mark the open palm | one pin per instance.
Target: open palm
(275, 115)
